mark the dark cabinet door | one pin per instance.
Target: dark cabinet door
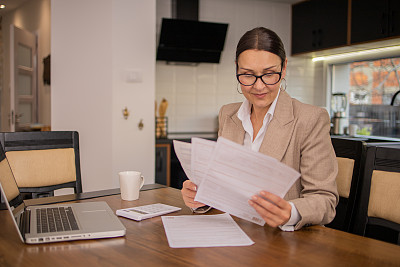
(369, 20)
(163, 157)
(374, 20)
(319, 24)
(394, 18)
(303, 35)
(332, 22)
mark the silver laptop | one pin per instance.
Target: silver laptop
(59, 222)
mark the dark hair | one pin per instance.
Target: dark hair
(261, 39)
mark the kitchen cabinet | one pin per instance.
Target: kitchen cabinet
(319, 24)
(169, 170)
(163, 164)
(372, 20)
(178, 175)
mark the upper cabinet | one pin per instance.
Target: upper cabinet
(323, 24)
(372, 20)
(319, 24)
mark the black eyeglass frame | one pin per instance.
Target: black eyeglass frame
(259, 77)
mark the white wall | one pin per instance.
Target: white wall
(196, 93)
(33, 16)
(133, 47)
(92, 46)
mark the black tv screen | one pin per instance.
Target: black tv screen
(191, 41)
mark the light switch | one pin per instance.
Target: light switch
(133, 76)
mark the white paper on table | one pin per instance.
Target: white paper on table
(236, 173)
(202, 150)
(188, 231)
(183, 151)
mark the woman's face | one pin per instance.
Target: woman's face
(259, 62)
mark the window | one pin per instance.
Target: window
(372, 94)
(374, 82)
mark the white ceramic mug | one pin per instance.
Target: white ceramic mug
(130, 183)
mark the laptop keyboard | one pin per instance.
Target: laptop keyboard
(55, 220)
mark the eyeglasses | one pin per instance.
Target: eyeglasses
(270, 78)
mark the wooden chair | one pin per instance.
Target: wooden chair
(349, 153)
(43, 161)
(378, 211)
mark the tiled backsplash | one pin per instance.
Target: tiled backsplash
(196, 93)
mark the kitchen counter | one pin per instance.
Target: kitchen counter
(368, 138)
(189, 135)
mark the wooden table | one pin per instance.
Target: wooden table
(145, 244)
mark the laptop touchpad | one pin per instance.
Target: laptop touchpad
(96, 219)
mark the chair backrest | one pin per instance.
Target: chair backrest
(44, 161)
(349, 154)
(378, 211)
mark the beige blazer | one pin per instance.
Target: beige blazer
(298, 135)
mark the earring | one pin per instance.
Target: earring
(280, 86)
(237, 89)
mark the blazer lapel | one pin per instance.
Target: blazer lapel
(280, 129)
(233, 129)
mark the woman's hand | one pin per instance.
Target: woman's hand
(274, 210)
(188, 193)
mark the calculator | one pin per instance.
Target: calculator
(147, 211)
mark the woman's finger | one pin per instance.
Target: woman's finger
(274, 210)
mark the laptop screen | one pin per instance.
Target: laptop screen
(8, 184)
(10, 192)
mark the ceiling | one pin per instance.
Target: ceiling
(13, 4)
(10, 5)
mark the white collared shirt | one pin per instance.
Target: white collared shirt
(243, 114)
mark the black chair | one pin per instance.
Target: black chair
(349, 153)
(378, 209)
(43, 161)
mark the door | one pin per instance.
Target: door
(369, 20)
(303, 37)
(318, 25)
(332, 17)
(23, 83)
(394, 18)
(163, 164)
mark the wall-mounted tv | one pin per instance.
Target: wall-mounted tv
(191, 41)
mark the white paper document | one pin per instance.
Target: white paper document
(188, 231)
(236, 173)
(228, 174)
(202, 150)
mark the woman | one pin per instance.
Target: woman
(271, 122)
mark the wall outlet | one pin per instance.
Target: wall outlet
(133, 76)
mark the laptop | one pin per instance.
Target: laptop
(58, 222)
